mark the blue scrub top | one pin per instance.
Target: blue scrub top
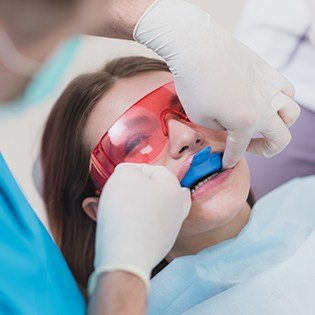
(34, 277)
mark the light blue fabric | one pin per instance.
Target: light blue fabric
(45, 81)
(267, 269)
(34, 277)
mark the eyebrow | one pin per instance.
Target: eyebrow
(137, 121)
(144, 119)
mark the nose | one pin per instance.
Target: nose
(183, 138)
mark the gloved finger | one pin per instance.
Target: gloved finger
(149, 171)
(287, 87)
(209, 123)
(123, 166)
(280, 83)
(274, 140)
(153, 172)
(286, 107)
(236, 145)
(159, 173)
(186, 201)
(134, 169)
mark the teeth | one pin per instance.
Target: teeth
(203, 182)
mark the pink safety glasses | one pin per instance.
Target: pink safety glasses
(138, 135)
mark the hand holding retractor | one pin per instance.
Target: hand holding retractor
(221, 83)
(140, 213)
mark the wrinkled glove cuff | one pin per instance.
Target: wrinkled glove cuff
(98, 271)
(142, 17)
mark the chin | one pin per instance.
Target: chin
(222, 207)
(203, 219)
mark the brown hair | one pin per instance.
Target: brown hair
(65, 160)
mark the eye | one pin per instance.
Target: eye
(136, 141)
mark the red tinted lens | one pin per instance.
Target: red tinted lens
(137, 137)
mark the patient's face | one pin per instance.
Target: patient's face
(216, 202)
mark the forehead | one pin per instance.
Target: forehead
(118, 99)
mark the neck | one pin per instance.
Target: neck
(192, 244)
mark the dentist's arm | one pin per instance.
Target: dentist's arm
(221, 82)
(140, 213)
(118, 18)
(119, 293)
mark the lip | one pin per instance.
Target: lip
(210, 187)
(184, 168)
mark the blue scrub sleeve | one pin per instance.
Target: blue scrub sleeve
(34, 277)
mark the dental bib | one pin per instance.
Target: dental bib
(204, 163)
(267, 269)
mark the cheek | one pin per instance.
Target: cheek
(222, 207)
(164, 159)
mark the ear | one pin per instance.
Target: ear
(90, 205)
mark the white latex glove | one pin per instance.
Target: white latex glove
(220, 81)
(140, 213)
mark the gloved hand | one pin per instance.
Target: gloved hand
(140, 213)
(220, 82)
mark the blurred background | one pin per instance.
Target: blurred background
(20, 135)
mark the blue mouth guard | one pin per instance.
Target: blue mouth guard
(203, 164)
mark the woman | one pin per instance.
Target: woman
(93, 106)
(85, 110)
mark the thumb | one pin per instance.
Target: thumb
(159, 173)
(186, 202)
(236, 144)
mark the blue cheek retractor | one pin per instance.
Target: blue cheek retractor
(203, 164)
